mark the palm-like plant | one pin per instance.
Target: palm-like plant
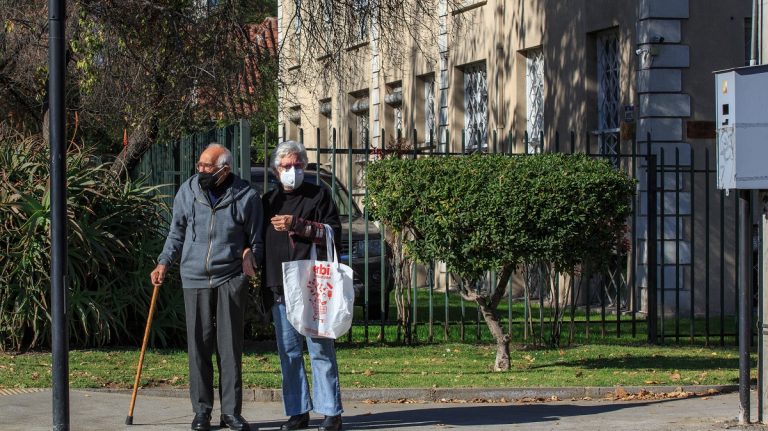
(115, 230)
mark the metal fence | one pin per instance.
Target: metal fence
(168, 164)
(677, 282)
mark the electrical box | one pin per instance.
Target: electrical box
(742, 127)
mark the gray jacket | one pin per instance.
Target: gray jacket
(212, 240)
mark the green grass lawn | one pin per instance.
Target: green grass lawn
(422, 366)
(599, 354)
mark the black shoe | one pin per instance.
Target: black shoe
(296, 422)
(330, 423)
(201, 422)
(234, 422)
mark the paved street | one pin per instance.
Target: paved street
(100, 411)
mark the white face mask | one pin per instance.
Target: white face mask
(292, 178)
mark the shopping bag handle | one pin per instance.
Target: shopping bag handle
(330, 247)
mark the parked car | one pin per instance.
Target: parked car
(355, 254)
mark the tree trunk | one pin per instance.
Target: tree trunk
(502, 339)
(488, 306)
(139, 142)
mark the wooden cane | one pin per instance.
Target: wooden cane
(129, 419)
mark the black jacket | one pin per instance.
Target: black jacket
(309, 202)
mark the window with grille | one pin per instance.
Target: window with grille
(475, 107)
(326, 115)
(328, 10)
(429, 107)
(362, 129)
(398, 121)
(297, 27)
(608, 92)
(361, 10)
(534, 89)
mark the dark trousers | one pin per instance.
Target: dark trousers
(215, 325)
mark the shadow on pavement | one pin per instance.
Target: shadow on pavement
(482, 415)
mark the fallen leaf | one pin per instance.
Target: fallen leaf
(620, 392)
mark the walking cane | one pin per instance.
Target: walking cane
(129, 419)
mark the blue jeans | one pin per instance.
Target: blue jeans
(326, 392)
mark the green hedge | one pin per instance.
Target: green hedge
(484, 212)
(115, 232)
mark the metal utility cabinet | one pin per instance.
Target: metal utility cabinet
(742, 127)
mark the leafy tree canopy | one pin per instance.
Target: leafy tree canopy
(154, 69)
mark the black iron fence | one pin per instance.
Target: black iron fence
(677, 282)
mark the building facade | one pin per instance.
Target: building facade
(522, 76)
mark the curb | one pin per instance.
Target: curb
(448, 394)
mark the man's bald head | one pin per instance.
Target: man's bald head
(216, 154)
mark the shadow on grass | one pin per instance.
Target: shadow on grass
(650, 362)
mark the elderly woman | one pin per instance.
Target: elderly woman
(297, 212)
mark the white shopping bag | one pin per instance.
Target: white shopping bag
(318, 294)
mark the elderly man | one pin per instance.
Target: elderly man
(215, 216)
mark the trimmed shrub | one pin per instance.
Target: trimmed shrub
(484, 213)
(481, 212)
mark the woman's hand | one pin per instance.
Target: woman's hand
(282, 223)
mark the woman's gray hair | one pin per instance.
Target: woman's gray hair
(225, 159)
(289, 147)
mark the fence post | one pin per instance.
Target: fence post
(245, 150)
(366, 287)
(266, 160)
(350, 185)
(317, 156)
(651, 248)
(744, 286)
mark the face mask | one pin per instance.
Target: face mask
(208, 180)
(292, 178)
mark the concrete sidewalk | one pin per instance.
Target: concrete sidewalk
(31, 410)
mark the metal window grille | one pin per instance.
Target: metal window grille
(361, 11)
(362, 129)
(297, 27)
(534, 87)
(328, 12)
(398, 114)
(429, 107)
(476, 107)
(608, 92)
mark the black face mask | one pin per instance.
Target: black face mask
(208, 180)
